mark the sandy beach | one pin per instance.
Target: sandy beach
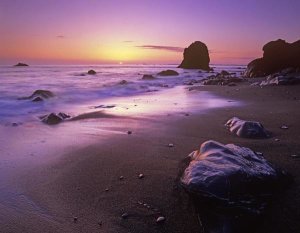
(81, 190)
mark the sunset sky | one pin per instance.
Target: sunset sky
(141, 31)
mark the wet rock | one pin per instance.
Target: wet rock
(160, 219)
(295, 156)
(247, 129)
(221, 79)
(121, 178)
(196, 57)
(278, 55)
(21, 64)
(170, 145)
(92, 72)
(124, 215)
(75, 219)
(284, 127)
(53, 119)
(231, 176)
(123, 82)
(168, 73)
(279, 79)
(224, 72)
(39, 95)
(129, 132)
(148, 77)
(141, 176)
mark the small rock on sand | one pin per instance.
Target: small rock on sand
(170, 145)
(124, 215)
(284, 127)
(129, 132)
(160, 219)
(92, 72)
(141, 176)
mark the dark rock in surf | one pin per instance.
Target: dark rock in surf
(148, 77)
(278, 55)
(196, 57)
(39, 95)
(21, 64)
(168, 73)
(53, 119)
(247, 129)
(92, 72)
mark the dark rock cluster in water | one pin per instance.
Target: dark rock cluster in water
(247, 129)
(21, 64)
(92, 72)
(148, 77)
(53, 118)
(232, 176)
(38, 95)
(168, 73)
(278, 55)
(196, 57)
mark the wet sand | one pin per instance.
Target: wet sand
(85, 182)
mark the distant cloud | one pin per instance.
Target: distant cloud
(161, 47)
(60, 37)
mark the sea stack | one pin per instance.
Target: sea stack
(278, 55)
(21, 64)
(195, 57)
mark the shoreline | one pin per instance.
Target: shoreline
(74, 186)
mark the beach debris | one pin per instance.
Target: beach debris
(53, 118)
(196, 56)
(160, 219)
(21, 64)
(170, 145)
(38, 95)
(124, 215)
(141, 176)
(246, 129)
(75, 219)
(168, 73)
(232, 176)
(148, 77)
(92, 72)
(284, 127)
(129, 132)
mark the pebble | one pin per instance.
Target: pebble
(125, 215)
(259, 153)
(121, 177)
(129, 132)
(107, 189)
(141, 176)
(75, 219)
(187, 114)
(284, 127)
(160, 219)
(277, 139)
(170, 145)
(295, 156)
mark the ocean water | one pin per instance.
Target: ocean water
(73, 87)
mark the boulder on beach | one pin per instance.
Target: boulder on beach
(231, 175)
(196, 57)
(92, 72)
(168, 73)
(38, 95)
(148, 77)
(247, 129)
(21, 64)
(278, 55)
(281, 79)
(53, 119)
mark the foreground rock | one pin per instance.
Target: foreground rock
(232, 176)
(223, 78)
(39, 95)
(278, 55)
(168, 73)
(21, 64)
(53, 119)
(92, 72)
(247, 129)
(148, 77)
(196, 57)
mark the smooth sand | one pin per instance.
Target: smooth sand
(75, 185)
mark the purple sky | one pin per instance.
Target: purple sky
(141, 31)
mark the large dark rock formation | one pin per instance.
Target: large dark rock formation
(278, 55)
(196, 57)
